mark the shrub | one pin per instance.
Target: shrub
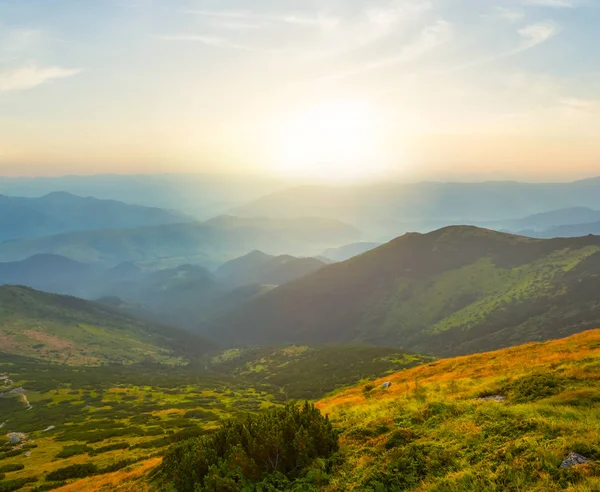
(281, 441)
(73, 450)
(12, 467)
(16, 484)
(533, 387)
(72, 471)
(48, 486)
(109, 447)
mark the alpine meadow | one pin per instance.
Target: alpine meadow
(323, 246)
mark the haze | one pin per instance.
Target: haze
(326, 91)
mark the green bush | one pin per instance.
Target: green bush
(48, 486)
(281, 441)
(109, 447)
(73, 450)
(16, 484)
(72, 471)
(533, 387)
(11, 468)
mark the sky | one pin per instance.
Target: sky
(318, 89)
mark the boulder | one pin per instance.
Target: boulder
(574, 459)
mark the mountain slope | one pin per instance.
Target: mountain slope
(430, 430)
(259, 268)
(62, 212)
(70, 330)
(209, 243)
(453, 291)
(576, 230)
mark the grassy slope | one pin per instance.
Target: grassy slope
(70, 330)
(309, 372)
(428, 431)
(453, 291)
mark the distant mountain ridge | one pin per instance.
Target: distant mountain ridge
(391, 209)
(453, 291)
(60, 212)
(259, 268)
(209, 244)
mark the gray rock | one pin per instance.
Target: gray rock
(15, 439)
(386, 385)
(496, 398)
(574, 459)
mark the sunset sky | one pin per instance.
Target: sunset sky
(331, 89)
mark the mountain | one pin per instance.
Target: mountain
(576, 230)
(209, 244)
(498, 421)
(553, 218)
(59, 212)
(453, 291)
(51, 273)
(201, 195)
(348, 251)
(391, 209)
(77, 332)
(259, 268)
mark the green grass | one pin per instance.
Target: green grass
(430, 432)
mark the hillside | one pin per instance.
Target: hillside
(60, 212)
(554, 218)
(209, 244)
(259, 268)
(73, 331)
(498, 421)
(457, 290)
(432, 429)
(576, 230)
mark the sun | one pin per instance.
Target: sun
(337, 141)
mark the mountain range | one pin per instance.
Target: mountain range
(209, 244)
(453, 291)
(59, 212)
(387, 210)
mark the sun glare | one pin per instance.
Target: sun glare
(338, 141)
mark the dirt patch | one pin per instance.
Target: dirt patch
(6, 342)
(49, 340)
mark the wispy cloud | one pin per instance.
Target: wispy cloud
(29, 77)
(557, 4)
(507, 14)
(212, 41)
(581, 105)
(428, 39)
(536, 34)
(257, 20)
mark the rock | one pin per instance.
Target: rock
(386, 385)
(574, 459)
(496, 398)
(28, 454)
(49, 428)
(16, 437)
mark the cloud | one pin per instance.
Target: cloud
(508, 14)
(29, 77)
(581, 105)
(213, 41)
(257, 20)
(557, 4)
(428, 39)
(538, 33)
